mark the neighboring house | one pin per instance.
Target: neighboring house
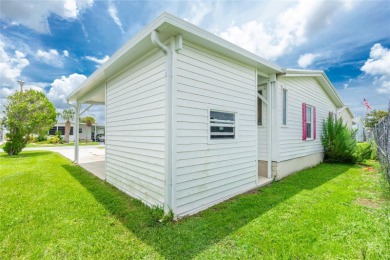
(359, 128)
(192, 120)
(84, 131)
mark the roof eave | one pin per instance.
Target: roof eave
(98, 76)
(319, 74)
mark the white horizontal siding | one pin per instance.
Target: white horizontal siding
(207, 173)
(301, 90)
(135, 132)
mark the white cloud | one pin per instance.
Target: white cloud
(292, 28)
(62, 87)
(11, 66)
(198, 10)
(65, 53)
(35, 14)
(307, 59)
(98, 61)
(114, 15)
(51, 57)
(378, 66)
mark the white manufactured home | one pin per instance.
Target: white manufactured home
(192, 120)
(85, 132)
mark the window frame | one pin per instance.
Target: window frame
(263, 89)
(209, 124)
(311, 123)
(284, 116)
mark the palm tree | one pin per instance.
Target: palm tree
(68, 115)
(89, 121)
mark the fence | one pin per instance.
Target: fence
(382, 139)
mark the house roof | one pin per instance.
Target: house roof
(324, 81)
(167, 25)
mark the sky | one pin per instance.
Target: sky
(55, 45)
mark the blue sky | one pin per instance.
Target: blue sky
(54, 45)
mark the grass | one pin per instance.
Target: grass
(31, 145)
(50, 208)
(56, 145)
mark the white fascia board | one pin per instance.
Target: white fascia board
(100, 75)
(321, 77)
(197, 31)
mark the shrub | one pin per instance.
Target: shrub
(41, 138)
(54, 140)
(363, 151)
(338, 141)
(374, 151)
(16, 142)
(366, 151)
(26, 112)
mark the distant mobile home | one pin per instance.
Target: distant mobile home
(84, 131)
(192, 120)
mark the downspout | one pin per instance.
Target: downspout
(271, 121)
(168, 205)
(269, 132)
(76, 131)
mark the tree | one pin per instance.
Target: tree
(372, 118)
(28, 112)
(68, 115)
(89, 121)
(338, 141)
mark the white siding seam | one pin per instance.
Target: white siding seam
(216, 177)
(191, 197)
(143, 58)
(209, 204)
(134, 195)
(215, 56)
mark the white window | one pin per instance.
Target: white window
(284, 115)
(222, 125)
(260, 109)
(309, 122)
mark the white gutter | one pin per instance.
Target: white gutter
(168, 122)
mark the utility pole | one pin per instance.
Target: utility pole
(21, 82)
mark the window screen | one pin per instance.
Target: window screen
(308, 122)
(222, 125)
(284, 118)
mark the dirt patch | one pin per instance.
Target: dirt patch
(369, 203)
(369, 169)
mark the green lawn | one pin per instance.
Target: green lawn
(54, 145)
(50, 208)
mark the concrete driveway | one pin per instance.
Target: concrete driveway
(92, 158)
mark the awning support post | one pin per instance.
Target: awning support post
(77, 134)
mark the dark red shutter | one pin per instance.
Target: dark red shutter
(314, 123)
(304, 126)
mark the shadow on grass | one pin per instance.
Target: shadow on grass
(25, 154)
(190, 236)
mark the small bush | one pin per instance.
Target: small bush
(16, 142)
(41, 138)
(374, 151)
(54, 140)
(338, 141)
(366, 151)
(363, 151)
